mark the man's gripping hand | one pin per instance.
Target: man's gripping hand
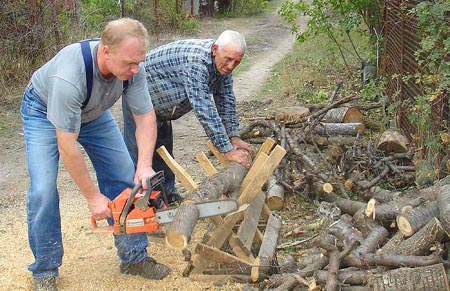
(240, 156)
(98, 205)
(142, 174)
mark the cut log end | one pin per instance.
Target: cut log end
(275, 203)
(255, 272)
(327, 188)
(370, 208)
(404, 226)
(176, 240)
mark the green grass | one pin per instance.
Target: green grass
(309, 74)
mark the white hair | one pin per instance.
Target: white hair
(234, 37)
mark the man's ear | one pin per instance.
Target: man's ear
(106, 51)
(215, 48)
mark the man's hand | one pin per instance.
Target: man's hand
(142, 174)
(98, 205)
(238, 143)
(240, 156)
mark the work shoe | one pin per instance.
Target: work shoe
(45, 284)
(147, 268)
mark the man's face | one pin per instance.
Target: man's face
(227, 58)
(123, 61)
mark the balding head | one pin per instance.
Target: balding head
(117, 31)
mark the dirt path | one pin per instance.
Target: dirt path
(90, 262)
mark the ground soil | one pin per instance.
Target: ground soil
(90, 261)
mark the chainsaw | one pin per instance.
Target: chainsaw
(136, 210)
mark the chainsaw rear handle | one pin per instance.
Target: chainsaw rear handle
(101, 229)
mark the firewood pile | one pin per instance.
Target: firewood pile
(384, 219)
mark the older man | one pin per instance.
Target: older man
(181, 77)
(67, 102)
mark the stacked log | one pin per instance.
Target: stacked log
(356, 248)
(396, 233)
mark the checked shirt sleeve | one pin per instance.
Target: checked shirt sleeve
(226, 106)
(196, 86)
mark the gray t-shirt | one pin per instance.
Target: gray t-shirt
(61, 84)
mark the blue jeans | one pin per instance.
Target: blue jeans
(164, 138)
(114, 169)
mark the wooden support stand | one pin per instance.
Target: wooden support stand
(243, 242)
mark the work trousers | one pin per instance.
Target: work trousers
(164, 138)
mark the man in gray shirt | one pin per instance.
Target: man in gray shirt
(67, 102)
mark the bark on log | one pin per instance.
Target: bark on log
(291, 114)
(374, 236)
(344, 230)
(309, 257)
(275, 194)
(421, 242)
(389, 211)
(220, 184)
(394, 260)
(392, 244)
(443, 199)
(331, 283)
(283, 282)
(344, 115)
(290, 282)
(345, 205)
(410, 221)
(363, 223)
(324, 110)
(429, 278)
(352, 277)
(384, 196)
(338, 128)
(392, 141)
(374, 239)
(178, 234)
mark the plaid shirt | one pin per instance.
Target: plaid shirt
(182, 76)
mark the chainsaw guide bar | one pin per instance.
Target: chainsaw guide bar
(206, 209)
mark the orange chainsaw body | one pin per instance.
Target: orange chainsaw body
(137, 220)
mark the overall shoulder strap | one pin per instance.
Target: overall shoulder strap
(87, 57)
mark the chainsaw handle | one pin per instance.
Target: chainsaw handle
(102, 229)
